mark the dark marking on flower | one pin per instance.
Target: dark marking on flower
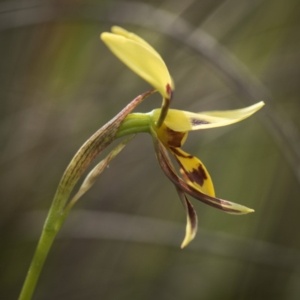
(190, 209)
(169, 90)
(174, 137)
(198, 175)
(192, 214)
(196, 122)
(178, 153)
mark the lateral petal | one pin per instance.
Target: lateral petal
(179, 120)
(191, 216)
(194, 171)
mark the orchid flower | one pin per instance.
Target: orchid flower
(169, 127)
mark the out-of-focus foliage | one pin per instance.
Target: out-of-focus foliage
(59, 84)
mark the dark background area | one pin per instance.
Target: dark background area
(59, 83)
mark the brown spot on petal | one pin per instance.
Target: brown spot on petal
(169, 90)
(174, 138)
(197, 175)
(196, 122)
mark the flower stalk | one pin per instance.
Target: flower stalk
(80, 162)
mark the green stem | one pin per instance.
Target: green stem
(134, 123)
(47, 237)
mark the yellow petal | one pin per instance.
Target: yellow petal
(169, 137)
(176, 119)
(179, 120)
(139, 56)
(194, 172)
(132, 36)
(191, 219)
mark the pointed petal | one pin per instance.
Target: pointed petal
(192, 220)
(226, 206)
(139, 56)
(178, 120)
(132, 36)
(194, 171)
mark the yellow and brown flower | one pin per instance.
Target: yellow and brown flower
(169, 127)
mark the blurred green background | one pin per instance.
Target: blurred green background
(59, 84)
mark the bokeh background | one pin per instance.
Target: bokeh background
(59, 84)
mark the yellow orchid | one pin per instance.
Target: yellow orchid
(169, 127)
